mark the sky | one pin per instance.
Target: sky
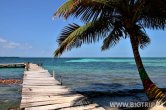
(27, 29)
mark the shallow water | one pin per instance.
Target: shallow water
(88, 73)
(100, 75)
(10, 95)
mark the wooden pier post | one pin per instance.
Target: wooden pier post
(27, 66)
(53, 74)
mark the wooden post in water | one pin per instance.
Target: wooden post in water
(61, 79)
(53, 74)
(27, 66)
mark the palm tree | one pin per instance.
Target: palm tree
(111, 21)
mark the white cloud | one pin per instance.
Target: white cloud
(11, 44)
(2, 40)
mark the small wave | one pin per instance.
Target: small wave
(99, 60)
(156, 64)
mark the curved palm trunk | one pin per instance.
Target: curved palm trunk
(152, 91)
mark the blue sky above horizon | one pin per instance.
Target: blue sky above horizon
(28, 30)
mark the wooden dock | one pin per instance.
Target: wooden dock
(13, 65)
(41, 91)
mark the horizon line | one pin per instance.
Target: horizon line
(80, 57)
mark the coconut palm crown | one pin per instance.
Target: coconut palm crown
(111, 21)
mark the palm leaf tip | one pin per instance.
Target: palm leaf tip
(144, 41)
(113, 38)
(66, 39)
(57, 53)
(66, 9)
(66, 32)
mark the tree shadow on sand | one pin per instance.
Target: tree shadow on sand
(106, 94)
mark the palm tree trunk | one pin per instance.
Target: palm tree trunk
(152, 91)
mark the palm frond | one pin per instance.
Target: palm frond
(66, 32)
(113, 38)
(75, 36)
(153, 15)
(87, 9)
(155, 9)
(154, 23)
(141, 38)
(65, 35)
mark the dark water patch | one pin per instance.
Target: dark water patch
(114, 91)
(10, 91)
(6, 105)
(10, 96)
(109, 87)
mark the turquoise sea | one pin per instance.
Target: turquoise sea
(114, 78)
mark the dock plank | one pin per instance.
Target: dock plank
(40, 91)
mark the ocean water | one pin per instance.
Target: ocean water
(10, 95)
(89, 75)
